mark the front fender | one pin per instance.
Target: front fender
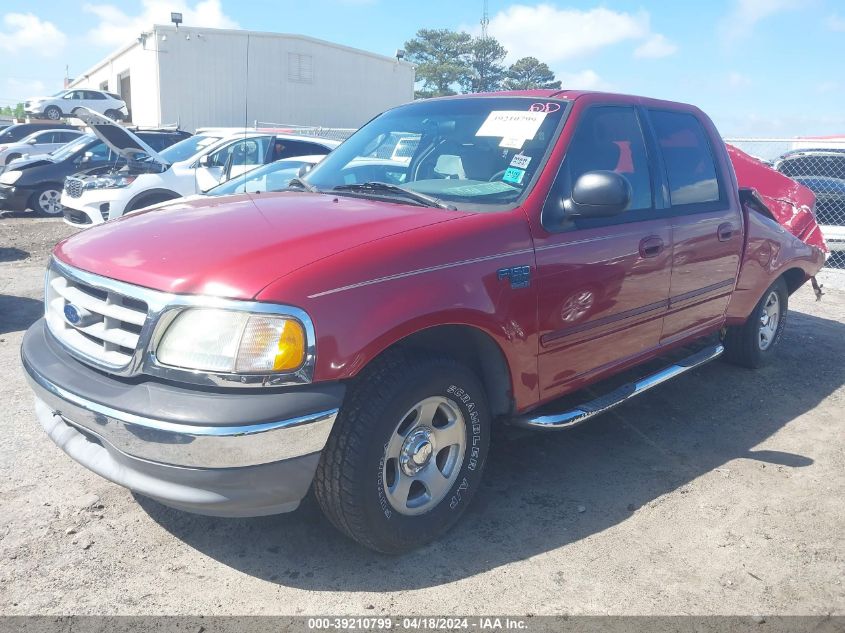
(366, 299)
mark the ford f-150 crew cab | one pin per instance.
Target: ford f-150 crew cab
(363, 337)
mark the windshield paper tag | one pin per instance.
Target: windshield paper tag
(521, 161)
(514, 175)
(512, 143)
(512, 124)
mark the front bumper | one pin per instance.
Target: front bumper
(92, 207)
(14, 198)
(221, 453)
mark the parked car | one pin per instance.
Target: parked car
(153, 178)
(365, 337)
(68, 102)
(19, 131)
(36, 182)
(42, 142)
(823, 171)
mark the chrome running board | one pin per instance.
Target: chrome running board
(585, 411)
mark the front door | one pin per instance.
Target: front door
(707, 227)
(603, 283)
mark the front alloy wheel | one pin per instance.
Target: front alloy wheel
(407, 451)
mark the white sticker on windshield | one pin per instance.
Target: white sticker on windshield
(512, 124)
(512, 143)
(521, 161)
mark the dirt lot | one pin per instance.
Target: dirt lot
(721, 493)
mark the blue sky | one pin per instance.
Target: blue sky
(758, 67)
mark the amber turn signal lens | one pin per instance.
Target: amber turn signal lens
(291, 347)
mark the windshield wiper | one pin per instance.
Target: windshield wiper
(301, 184)
(383, 187)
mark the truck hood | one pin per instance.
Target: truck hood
(32, 160)
(234, 246)
(117, 137)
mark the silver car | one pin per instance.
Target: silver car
(41, 142)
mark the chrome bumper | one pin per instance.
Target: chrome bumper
(186, 445)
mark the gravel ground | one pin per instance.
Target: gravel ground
(720, 494)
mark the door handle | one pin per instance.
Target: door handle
(651, 246)
(725, 231)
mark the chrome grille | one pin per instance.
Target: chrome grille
(111, 323)
(74, 186)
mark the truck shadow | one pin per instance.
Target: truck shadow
(543, 491)
(18, 313)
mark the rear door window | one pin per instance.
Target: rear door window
(690, 167)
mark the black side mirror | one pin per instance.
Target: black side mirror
(598, 194)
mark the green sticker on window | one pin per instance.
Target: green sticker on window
(514, 175)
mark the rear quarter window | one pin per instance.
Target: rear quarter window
(690, 167)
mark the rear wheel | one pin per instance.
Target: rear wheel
(407, 452)
(47, 201)
(114, 115)
(753, 343)
(53, 113)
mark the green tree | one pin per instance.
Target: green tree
(19, 111)
(441, 61)
(485, 70)
(529, 73)
(6, 111)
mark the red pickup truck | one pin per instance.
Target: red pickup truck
(365, 330)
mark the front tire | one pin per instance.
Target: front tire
(753, 343)
(407, 452)
(46, 201)
(114, 115)
(53, 113)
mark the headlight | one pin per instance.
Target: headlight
(230, 341)
(10, 177)
(110, 182)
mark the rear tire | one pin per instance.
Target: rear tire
(753, 343)
(53, 113)
(46, 201)
(114, 115)
(407, 452)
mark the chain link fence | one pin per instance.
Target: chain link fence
(819, 164)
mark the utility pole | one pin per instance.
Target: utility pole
(485, 21)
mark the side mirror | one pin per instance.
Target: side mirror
(205, 161)
(32, 141)
(304, 169)
(87, 156)
(598, 194)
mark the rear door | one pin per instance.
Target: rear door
(707, 224)
(603, 283)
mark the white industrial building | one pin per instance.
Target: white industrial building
(200, 77)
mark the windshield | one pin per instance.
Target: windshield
(472, 153)
(186, 148)
(272, 177)
(69, 149)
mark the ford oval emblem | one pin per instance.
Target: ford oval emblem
(72, 314)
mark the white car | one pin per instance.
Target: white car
(42, 142)
(189, 167)
(68, 102)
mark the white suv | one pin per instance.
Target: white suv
(66, 102)
(191, 166)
